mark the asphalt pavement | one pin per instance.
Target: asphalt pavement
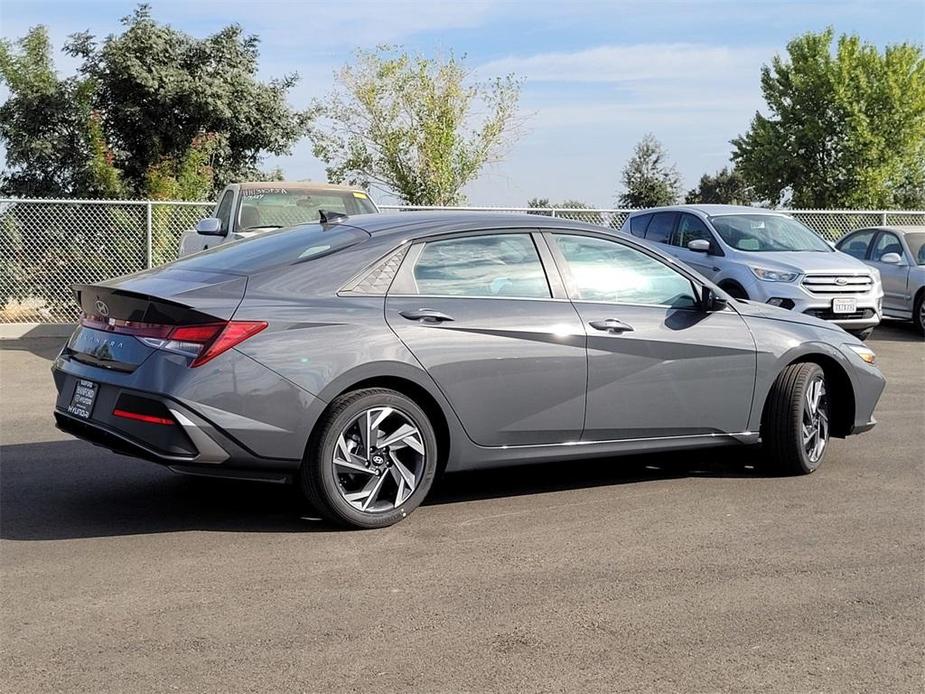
(686, 573)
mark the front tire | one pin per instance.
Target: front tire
(372, 460)
(918, 313)
(795, 425)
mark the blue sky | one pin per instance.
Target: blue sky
(598, 74)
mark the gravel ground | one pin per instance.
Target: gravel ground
(665, 573)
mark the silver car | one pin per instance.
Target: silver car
(357, 358)
(766, 256)
(898, 253)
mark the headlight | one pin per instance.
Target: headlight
(865, 353)
(774, 275)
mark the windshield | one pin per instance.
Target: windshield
(764, 233)
(284, 247)
(916, 243)
(285, 207)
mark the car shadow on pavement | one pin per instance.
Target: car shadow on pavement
(70, 489)
(895, 331)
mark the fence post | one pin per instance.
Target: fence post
(553, 213)
(149, 246)
(883, 219)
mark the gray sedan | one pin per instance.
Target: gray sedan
(358, 357)
(898, 252)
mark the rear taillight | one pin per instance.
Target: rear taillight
(203, 342)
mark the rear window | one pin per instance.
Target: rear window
(638, 225)
(273, 248)
(659, 230)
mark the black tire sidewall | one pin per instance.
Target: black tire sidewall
(322, 472)
(798, 404)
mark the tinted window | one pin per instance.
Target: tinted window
(856, 244)
(659, 229)
(502, 265)
(886, 243)
(274, 248)
(224, 209)
(604, 270)
(916, 243)
(638, 225)
(690, 228)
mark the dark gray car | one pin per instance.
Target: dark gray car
(359, 358)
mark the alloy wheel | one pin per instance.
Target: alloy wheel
(379, 459)
(815, 424)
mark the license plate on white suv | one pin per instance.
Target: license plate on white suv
(844, 305)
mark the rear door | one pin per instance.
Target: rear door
(657, 364)
(498, 337)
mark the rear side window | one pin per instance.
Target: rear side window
(659, 229)
(856, 244)
(502, 265)
(273, 248)
(638, 225)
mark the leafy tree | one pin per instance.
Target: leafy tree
(845, 127)
(649, 180)
(160, 91)
(412, 125)
(54, 144)
(725, 187)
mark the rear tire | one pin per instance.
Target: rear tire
(371, 461)
(918, 313)
(862, 334)
(795, 425)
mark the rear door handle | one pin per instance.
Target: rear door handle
(611, 325)
(426, 315)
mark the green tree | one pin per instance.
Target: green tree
(725, 187)
(54, 144)
(416, 126)
(649, 180)
(160, 91)
(845, 127)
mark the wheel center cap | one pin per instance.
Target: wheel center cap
(378, 458)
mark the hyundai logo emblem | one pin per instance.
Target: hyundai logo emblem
(102, 309)
(841, 281)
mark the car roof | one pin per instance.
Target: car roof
(420, 224)
(898, 229)
(296, 185)
(711, 210)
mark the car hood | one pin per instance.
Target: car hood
(809, 262)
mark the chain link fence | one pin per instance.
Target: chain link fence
(46, 246)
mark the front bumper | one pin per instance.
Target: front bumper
(795, 297)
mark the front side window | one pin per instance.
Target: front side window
(603, 270)
(690, 228)
(659, 229)
(916, 243)
(766, 233)
(223, 213)
(886, 243)
(638, 225)
(499, 265)
(856, 244)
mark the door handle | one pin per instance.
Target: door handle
(611, 325)
(426, 315)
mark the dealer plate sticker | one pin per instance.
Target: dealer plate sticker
(83, 399)
(844, 305)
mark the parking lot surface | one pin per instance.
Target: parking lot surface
(684, 572)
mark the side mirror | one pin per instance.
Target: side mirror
(710, 301)
(210, 226)
(891, 258)
(699, 246)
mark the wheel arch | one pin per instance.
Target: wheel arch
(730, 284)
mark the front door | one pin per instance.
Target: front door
(477, 312)
(658, 365)
(691, 228)
(893, 277)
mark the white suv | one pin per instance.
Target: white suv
(766, 256)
